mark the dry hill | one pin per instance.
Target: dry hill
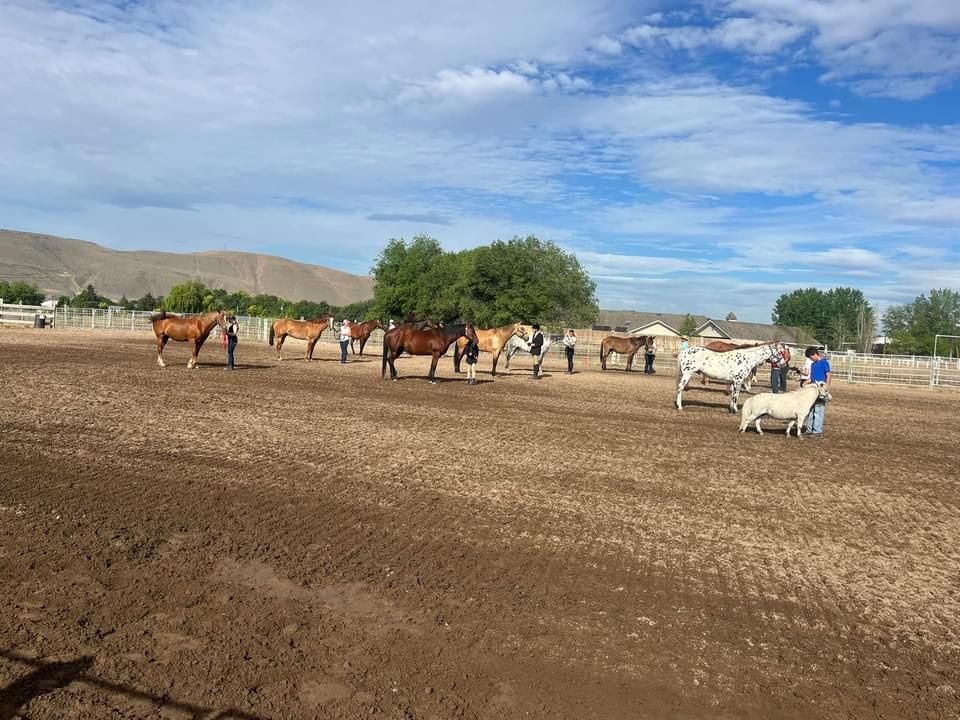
(59, 266)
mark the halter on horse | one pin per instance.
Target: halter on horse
(435, 342)
(309, 330)
(194, 329)
(733, 366)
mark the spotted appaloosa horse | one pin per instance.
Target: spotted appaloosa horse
(733, 366)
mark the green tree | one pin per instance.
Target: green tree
(521, 279)
(838, 317)
(688, 327)
(186, 297)
(914, 326)
(90, 298)
(21, 293)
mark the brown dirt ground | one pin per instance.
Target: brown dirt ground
(310, 541)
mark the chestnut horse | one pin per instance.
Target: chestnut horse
(435, 342)
(361, 332)
(493, 341)
(628, 346)
(308, 330)
(195, 329)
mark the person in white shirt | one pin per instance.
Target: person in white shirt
(569, 343)
(805, 371)
(344, 339)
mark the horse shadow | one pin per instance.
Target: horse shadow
(237, 366)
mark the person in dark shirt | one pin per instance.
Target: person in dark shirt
(471, 353)
(233, 330)
(536, 350)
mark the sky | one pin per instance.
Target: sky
(700, 157)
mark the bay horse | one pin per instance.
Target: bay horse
(194, 329)
(733, 366)
(493, 341)
(308, 330)
(414, 341)
(628, 346)
(362, 332)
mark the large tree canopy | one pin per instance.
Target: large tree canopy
(913, 327)
(524, 279)
(839, 317)
(20, 293)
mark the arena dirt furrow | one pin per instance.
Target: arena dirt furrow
(306, 540)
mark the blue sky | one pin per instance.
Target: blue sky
(697, 157)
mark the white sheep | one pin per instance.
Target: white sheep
(793, 406)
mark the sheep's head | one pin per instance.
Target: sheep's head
(823, 392)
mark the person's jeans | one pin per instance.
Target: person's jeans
(648, 363)
(814, 420)
(569, 359)
(231, 349)
(776, 384)
(344, 344)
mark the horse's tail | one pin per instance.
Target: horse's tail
(271, 334)
(386, 349)
(603, 344)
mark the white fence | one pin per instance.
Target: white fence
(852, 367)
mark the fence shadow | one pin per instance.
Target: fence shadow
(48, 675)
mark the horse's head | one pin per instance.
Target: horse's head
(776, 353)
(470, 332)
(330, 321)
(222, 320)
(520, 331)
(648, 341)
(379, 325)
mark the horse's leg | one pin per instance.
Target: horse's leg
(353, 350)
(603, 359)
(192, 363)
(630, 361)
(393, 369)
(310, 345)
(456, 357)
(161, 343)
(280, 339)
(363, 343)
(496, 357)
(734, 394)
(433, 367)
(684, 379)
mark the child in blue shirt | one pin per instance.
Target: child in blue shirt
(819, 372)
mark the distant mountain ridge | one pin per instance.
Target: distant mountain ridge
(61, 266)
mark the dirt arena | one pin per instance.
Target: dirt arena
(301, 541)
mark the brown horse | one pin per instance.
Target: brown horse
(628, 346)
(493, 341)
(308, 330)
(435, 342)
(361, 332)
(194, 329)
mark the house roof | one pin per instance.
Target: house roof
(762, 332)
(634, 320)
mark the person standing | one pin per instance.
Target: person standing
(778, 372)
(805, 371)
(344, 340)
(650, 354)
(471, 354)
(819, 372)
(536, 350)
(569, 343)
(233, 330)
